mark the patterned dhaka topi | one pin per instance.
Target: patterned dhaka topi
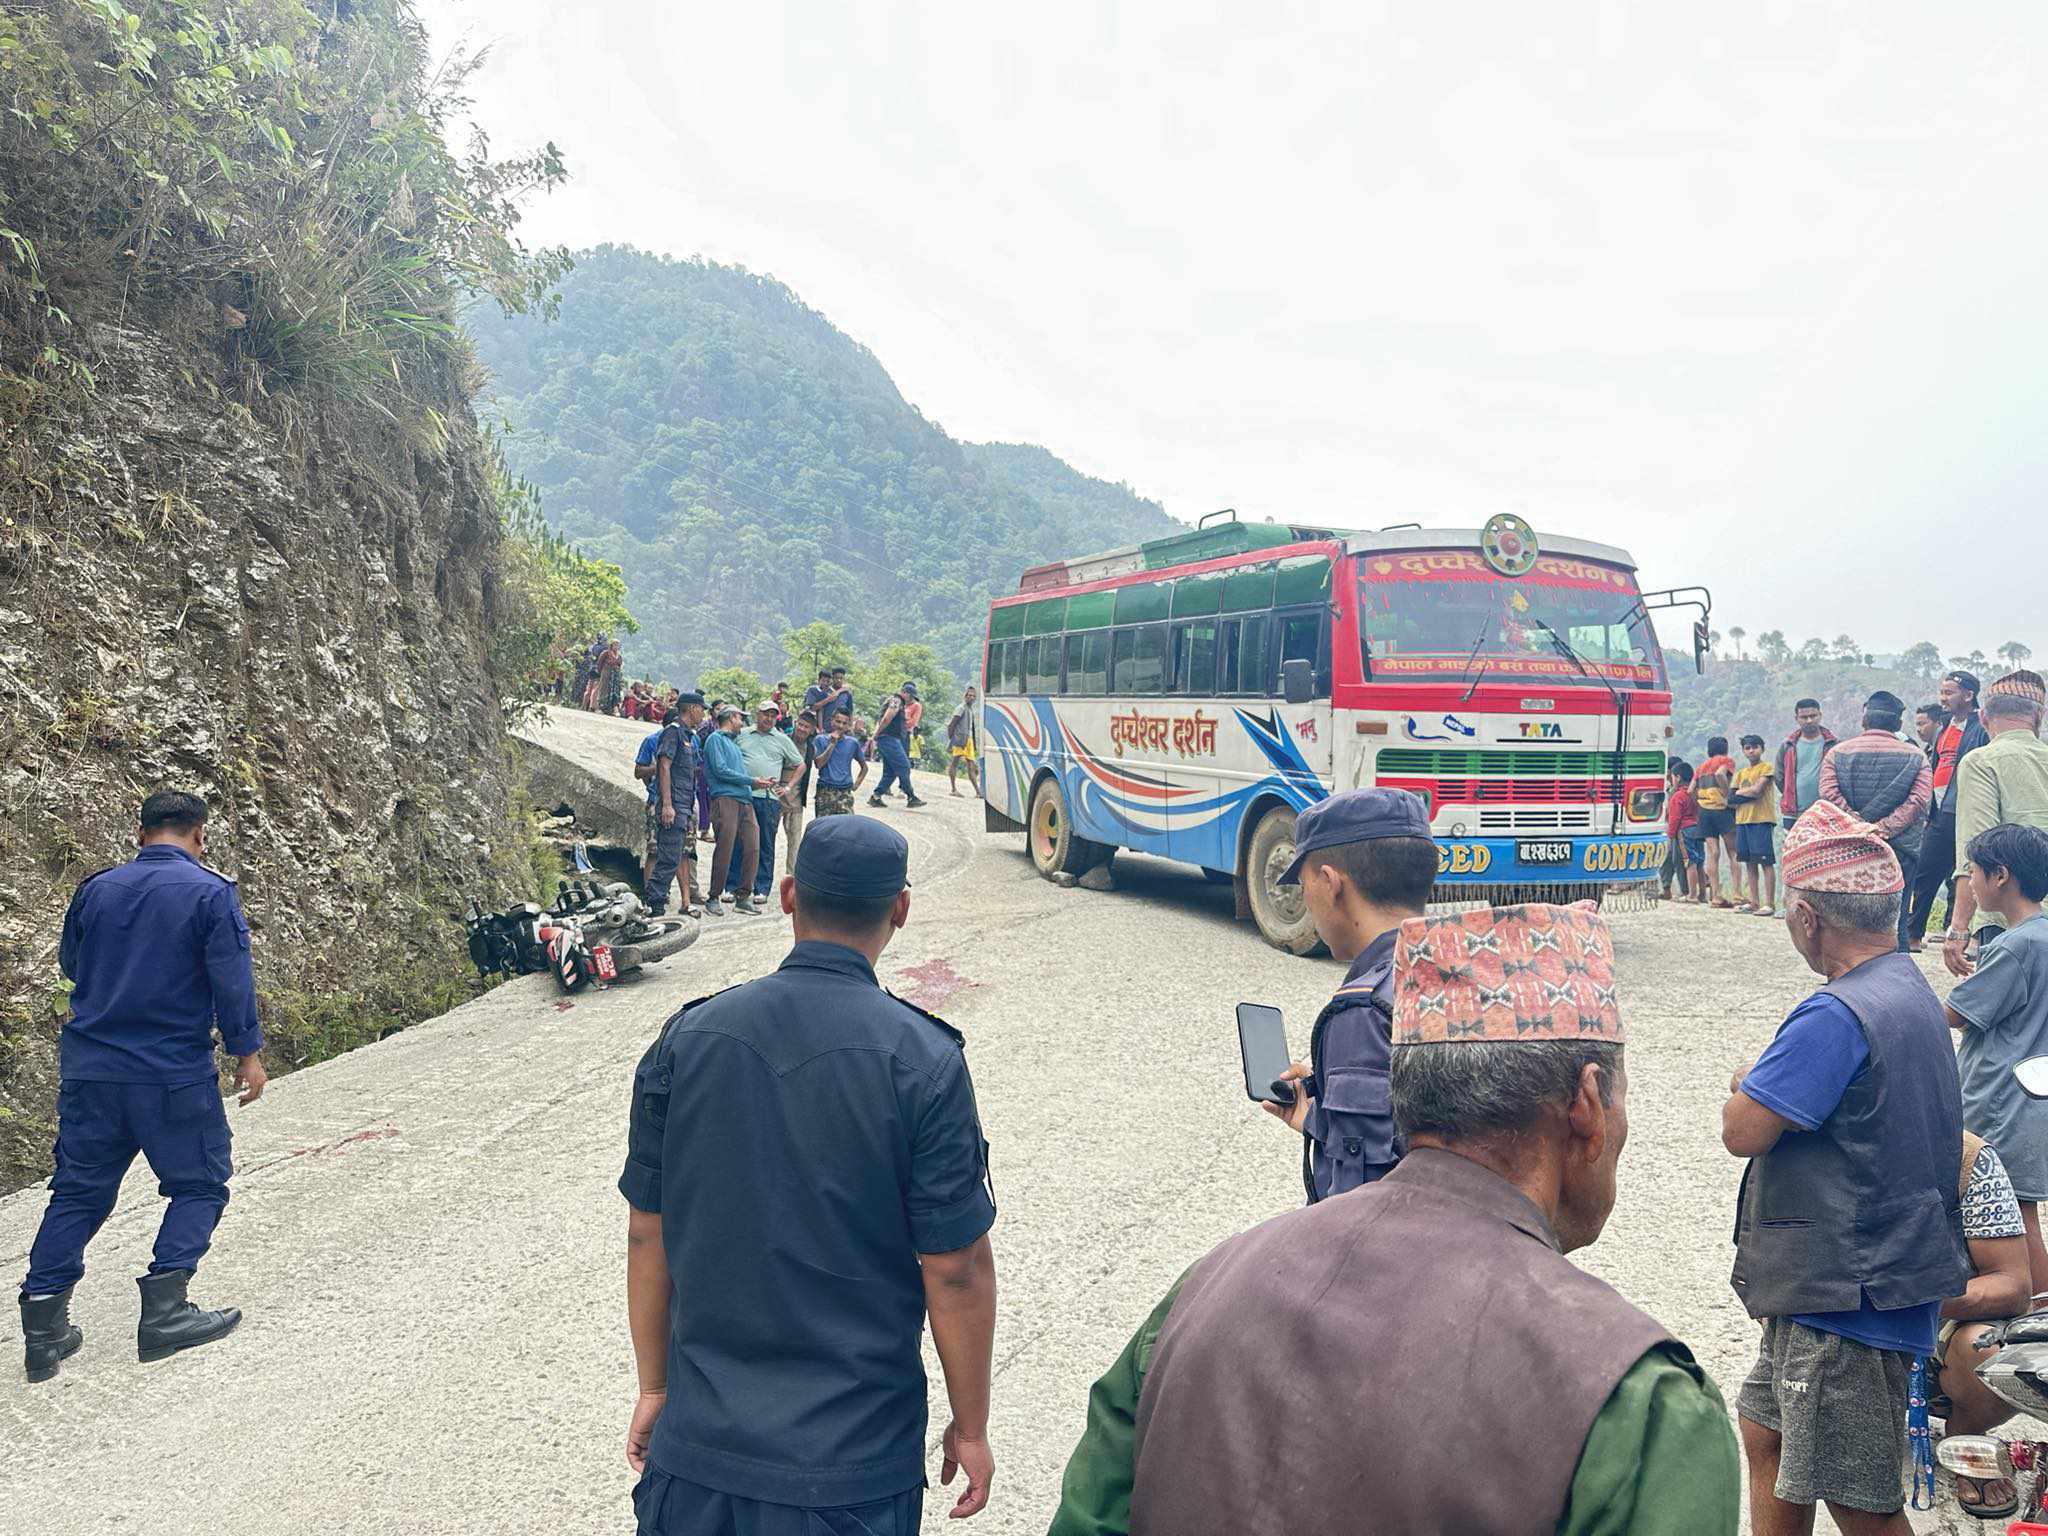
(2026, 685)
(1508, 973)
(1830, 850)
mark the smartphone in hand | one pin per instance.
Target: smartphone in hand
(1262, 1041)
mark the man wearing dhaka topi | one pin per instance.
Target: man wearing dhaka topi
(1418, 1355)
(1848, 1228)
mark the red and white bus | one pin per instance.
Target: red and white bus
(1187, 697)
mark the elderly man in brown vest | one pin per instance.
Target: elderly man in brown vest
(1312, 1375)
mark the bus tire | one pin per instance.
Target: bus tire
(1281, 913)
(1049, 834)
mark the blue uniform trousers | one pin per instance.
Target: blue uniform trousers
(768, 818)
(183, 1131)
(895, 765)
(669, 1506)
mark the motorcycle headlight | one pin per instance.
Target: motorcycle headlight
(1971, 1455)
(1645, 804)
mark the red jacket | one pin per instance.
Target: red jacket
(1682, 812)
(1788, 772)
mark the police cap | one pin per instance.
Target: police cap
(854, 858)
(1355, 816)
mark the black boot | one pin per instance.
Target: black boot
(171, 1323)
(47, 1331)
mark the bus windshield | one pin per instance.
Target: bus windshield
(1445, 615)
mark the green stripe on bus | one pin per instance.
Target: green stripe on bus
(1541, 765)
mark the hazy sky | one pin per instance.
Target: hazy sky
(1761, 295)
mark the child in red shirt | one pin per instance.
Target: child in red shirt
(1681, 825)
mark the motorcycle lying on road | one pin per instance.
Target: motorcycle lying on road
(596, 933)
(592, 933)
(2016, 1372)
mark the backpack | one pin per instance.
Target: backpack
(1352, 1123)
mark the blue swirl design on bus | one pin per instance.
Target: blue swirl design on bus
(1112, 802)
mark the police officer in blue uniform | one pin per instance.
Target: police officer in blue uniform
(1364, 860)
(157, 951)
(808, 1181)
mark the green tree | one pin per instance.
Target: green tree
(1846, 649)
(1772, 647)
(1922, 660)
(2014, 654)
(554, 599)
(735, 685)
(812, 649)
(277, 174)
(1737, 633)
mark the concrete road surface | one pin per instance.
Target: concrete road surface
(427, 1241)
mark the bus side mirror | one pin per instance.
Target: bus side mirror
(1700, 639)
(1297, 681)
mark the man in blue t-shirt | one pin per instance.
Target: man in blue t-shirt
(841, 764)
(1852, 1120)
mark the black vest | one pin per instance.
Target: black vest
(1870, 1201)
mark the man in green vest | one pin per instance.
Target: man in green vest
(1417, 1355)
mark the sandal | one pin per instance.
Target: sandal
(1766, 912)
(1987, 1498)
(1723, 906)
(1744, 906)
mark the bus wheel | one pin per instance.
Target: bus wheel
(1049, 835)
(1282, 915)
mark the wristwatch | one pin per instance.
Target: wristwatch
(1955, 937)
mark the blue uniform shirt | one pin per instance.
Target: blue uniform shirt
(1350, 1130)
(644, 758)
(804, 1138)
(158, 953)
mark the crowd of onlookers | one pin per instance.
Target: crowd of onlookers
(744, 775)
(1927, 791)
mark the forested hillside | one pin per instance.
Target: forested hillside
(752, 468)
(1752, 686)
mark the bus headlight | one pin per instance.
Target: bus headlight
(1645, 804)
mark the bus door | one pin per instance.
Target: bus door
(1303, 634)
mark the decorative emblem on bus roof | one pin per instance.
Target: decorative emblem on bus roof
(1509, 544)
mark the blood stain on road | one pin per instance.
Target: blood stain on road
(933, 984)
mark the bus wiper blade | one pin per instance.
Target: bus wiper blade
(1476, 681)
(1563, 648)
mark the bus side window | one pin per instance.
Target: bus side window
(1013, 667)
(1042, 664)
(1195, 653)
(1088, 662)
(1240, 652)
(1301, 639)
(1140, 660)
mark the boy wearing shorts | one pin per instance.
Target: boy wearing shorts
(1681, 828)
(1710, 783)
(1754, 795)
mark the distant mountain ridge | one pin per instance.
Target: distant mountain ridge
(752, 468)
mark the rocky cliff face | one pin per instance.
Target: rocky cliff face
(293, 627)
